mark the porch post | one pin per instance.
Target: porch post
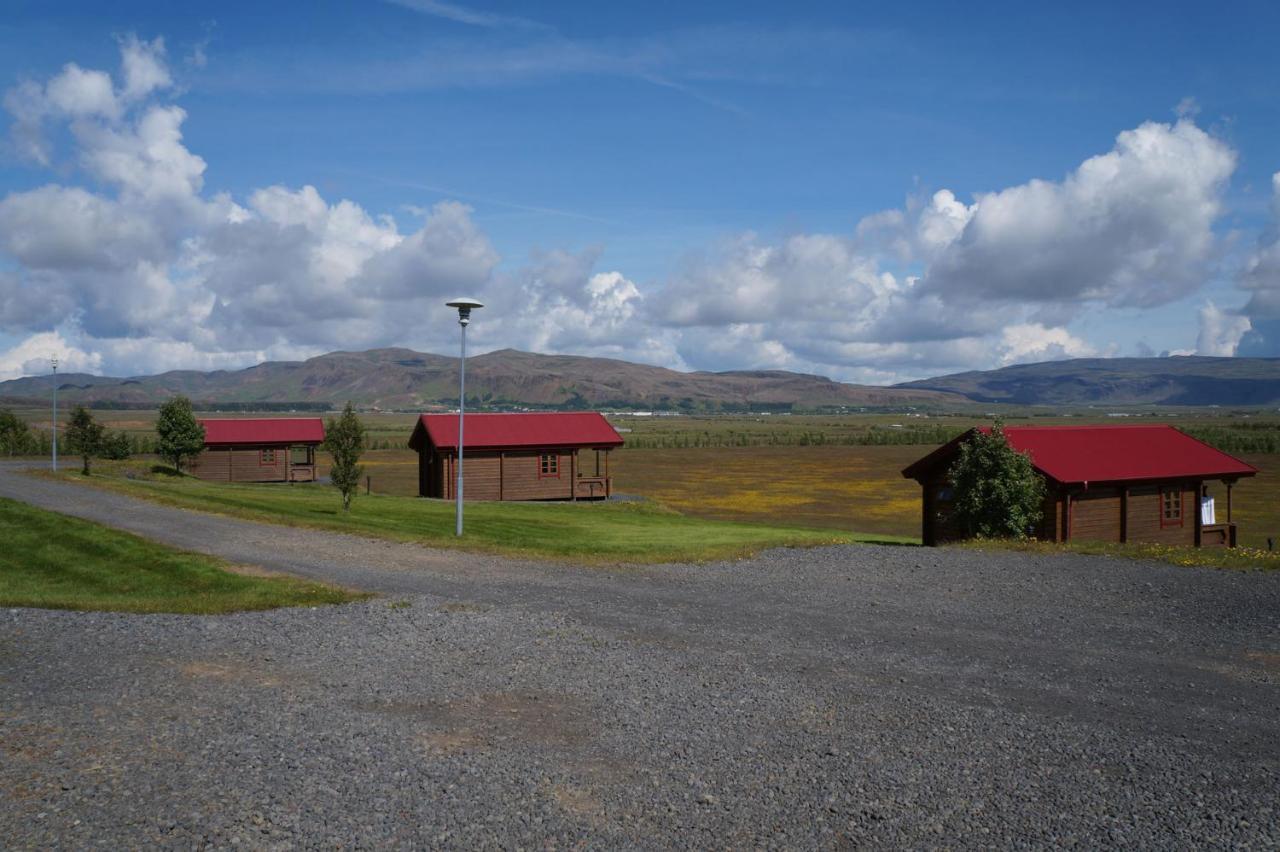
(1195, 507)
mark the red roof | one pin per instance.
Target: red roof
(1080, 454)
(515, 431)
(264, 430)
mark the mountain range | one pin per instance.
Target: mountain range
(1176, 380)
(405, 379)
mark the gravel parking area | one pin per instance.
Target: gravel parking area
(846, 696)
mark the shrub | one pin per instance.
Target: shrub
(998, 493)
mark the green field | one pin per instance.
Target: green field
(582, 532)
(54, 561)
(832, 472)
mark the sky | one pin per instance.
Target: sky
(873, 192)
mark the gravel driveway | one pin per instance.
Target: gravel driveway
(844, 696)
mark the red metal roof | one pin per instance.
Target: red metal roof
(264, 430)
(515, 431)
(1079, 454)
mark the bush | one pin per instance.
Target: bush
(16, 437)
(998, 493)
(117, 446)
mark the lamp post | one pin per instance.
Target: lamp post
(54, 361)
(464, 306)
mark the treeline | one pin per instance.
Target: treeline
(116, 405)
(17, 438)
(875, 436)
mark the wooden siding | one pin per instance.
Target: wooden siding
(508, 475)
(221, 464)
(1145, 516)
(1095, 515)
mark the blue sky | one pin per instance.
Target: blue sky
(706, 185)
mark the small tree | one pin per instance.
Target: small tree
(116, 446)
(998, 494)
(180, 436)
(84, 436)
(344, 439)
(15, 435)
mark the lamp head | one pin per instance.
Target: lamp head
(54, 361)
(464, 306)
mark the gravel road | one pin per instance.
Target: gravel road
(870, 696)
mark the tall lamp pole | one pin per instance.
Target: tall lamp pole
(464, 306)
(54, 361)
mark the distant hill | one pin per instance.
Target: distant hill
(404, 379)
(1177, 380)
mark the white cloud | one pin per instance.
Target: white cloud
(1261, 279)
(32, 357)
(154, 271)
(144, 67)
(1030, 342)
(1220, 331)
(1132, 227)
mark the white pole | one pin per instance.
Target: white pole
(464, 306)
(462, 409)
(55, 414)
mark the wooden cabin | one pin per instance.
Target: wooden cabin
(1106, 483)
(259, 449)
(536, 456)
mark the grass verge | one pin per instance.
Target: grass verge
(55, 561)
(1236, 559)
(582, 532)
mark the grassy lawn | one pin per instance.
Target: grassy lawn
(58, 562)
(583, 532)
(1239, 558)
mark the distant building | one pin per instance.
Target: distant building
(1105, 483)
(259, 449)
(534, 456)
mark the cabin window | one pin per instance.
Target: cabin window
(267, 457)
(1170, 507)
(549, 465)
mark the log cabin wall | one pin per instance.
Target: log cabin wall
(511, 475)
(1095, 515)
(1146, 517)
(242, 464)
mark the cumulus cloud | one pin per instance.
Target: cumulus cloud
(1132, 227)
(1261, 279)
(32, 357)
(1005, 274)
(152, 270)
(1220, 331)
(1035, 342)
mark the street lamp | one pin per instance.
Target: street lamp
(464, 306)
(54, 361)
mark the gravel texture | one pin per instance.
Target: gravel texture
(870, 696)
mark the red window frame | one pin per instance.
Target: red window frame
(262, 457)
(548, 465)
(1171, 498)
